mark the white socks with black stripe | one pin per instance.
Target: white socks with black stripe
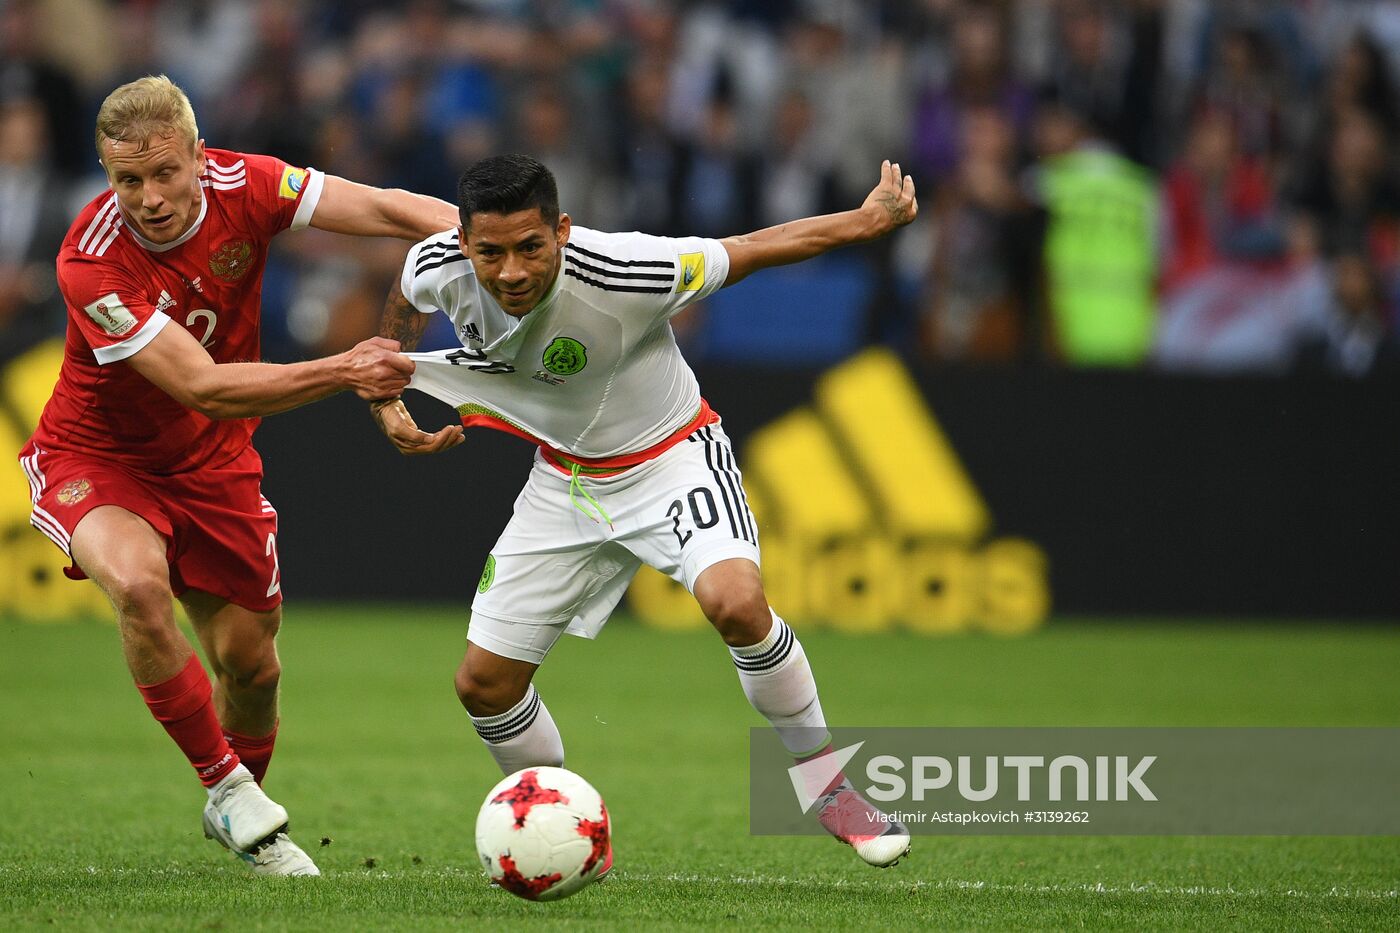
(523, 736)
(778, 681)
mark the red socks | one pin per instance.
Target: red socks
(256, 754)
(184, 706)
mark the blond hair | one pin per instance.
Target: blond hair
(146, 107)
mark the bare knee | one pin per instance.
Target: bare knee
(143, 601)
(249, 669)
(241, 645)
(740, 614)
(486, 694)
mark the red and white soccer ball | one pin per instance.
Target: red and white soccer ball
(543, 834)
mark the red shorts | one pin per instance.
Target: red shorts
(220, 532)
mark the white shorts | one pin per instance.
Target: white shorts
(554, 568)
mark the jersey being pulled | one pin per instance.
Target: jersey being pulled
(593, 370)
(122, 290)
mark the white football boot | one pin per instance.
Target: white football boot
(251, 826)
(852, 819)
(281, 856)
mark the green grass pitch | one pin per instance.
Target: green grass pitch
(99, 816)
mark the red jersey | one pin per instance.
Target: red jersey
(121, 290)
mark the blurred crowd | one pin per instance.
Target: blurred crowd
(1160, 183)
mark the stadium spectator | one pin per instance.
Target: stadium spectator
(1361, 77)
(977, 298)
(857, 79)
(207, 45)
(645, 151)
(33, 221)
(1099, 250)
(794, 172)
(1351, 334)
(27, 71)
(141, 468)
(718, 178)
(727, 50)
(1351, 196)
(980, 77)
(1105, 67)
(268, 111)
(1218, 205)
(1245, 82)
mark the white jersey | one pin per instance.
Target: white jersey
(593, 370)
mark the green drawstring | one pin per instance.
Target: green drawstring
(575, 485)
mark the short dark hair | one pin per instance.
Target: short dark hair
(506, 184)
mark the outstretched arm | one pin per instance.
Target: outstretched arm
(892, 204)
(404, 323)
(175, 362)
(360, 210)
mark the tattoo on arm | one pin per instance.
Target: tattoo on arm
(402, 321)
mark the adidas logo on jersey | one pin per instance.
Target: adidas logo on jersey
(469, 332)
(165, 303)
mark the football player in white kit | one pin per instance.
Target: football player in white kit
(566, 342)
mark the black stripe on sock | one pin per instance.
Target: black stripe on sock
(639, 263)
(762, 668)
(497, 737)
(505, 731)
(659, 290)
(773, 649)
(770, 658)
(599, 270)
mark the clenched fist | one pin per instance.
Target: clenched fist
(376, 369)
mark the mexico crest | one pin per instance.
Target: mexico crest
(565, 356)
(488, 574)
(74, 492)
(232, 261)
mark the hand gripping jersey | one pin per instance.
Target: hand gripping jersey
(121, 290)
(592, 374)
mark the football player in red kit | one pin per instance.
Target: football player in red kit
(142, 468)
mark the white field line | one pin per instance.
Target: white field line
(1150, 888)
(955, 884)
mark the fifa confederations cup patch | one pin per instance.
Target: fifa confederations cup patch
(293, 180)
(488, 574)
(565, 356)
(692, 272)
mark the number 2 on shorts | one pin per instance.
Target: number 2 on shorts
(276, 584)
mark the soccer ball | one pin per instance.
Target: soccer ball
(543, 833)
